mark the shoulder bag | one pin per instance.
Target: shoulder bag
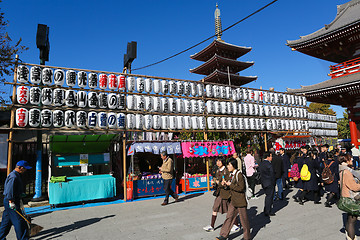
(347, 204)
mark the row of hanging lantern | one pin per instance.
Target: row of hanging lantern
(58, 77)
(58, 118)
(70, 98)
(321, 117)
(318, 124)
(324, 132)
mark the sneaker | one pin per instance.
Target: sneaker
(234, 228)
(208, 228)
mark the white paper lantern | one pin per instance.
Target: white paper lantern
(216, 91)
(113, 82)
(252, 123)
(156, 86)
(266, 97)
(235, 108)
(112, 100)
(180, 122)
(267, 111)
(296, 100)
(58, 118)
(93, 99)
(120, 119)
(292, 99)
(162, 105)
(140, 85)
(276, 98)
(224, 123)
(187, 88)
(180, 88)
(148, 103)
(236, 123)
(229, 109)
(200, 89)
(59, 77)
(156, 104)
(70, 78)
(70, 98)
(130, 102)
(193, 89)
(103, 81)
(130, 121)
(210, 106)
(272, 111)
(209, 91)
(217, 107)
(172, 122)
(195, 106)
(261, 110)
(277, 109)
(241, 123)
(92, 118)
(261, 96)
(165, 122)
(304, 101)
(157, 121)
(251, 109)
(262, 124)
(202, 123)
(164, 87)
(256, 109)
(46, 96)
(251, 95)
(239, 92)
(235, 95)
(22, 117)
(257, 124)
(223, 108)
(230, 123)
(245, 94)
(130, 84)
(140, 102)
(102, 120)
(228, 92)
(172, 105)
(46, 118)
(139, 121)
(274, 124)
(218, 124)
(195, 122)
(122, 82)
(187, 122)
(47, 76)
(111, 120)
(34, 117)
(103, 100)
(81, 99)
(22, 95)
(179, 105)
(223, 92)
(82, 79)
(172, 87)
(148, 85)
(35, 75)
(240, 109)
(268, 124)
(246, 123)
(245, 108)
(187, 106)
(201, 104)
(148, 122)
(59, 97)
(93, 80)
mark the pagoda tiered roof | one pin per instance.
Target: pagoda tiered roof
(336, 42)
(220, 48)
(223, 78)
(221, 63)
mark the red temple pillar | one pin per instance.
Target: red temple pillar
(353, 133)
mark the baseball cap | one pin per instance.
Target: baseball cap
(23, 163)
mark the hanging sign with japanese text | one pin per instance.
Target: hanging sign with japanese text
(207, 149)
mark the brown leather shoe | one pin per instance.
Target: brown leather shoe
(164, 203)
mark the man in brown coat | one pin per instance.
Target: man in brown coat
(166, 170)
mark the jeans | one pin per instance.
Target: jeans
(356, 162)
(279, 185)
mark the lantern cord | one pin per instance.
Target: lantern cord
(189, 48)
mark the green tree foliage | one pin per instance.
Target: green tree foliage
(8, 50)
(320, 108)
(343, 126)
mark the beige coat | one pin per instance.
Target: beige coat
(348, 183)
(167, 168)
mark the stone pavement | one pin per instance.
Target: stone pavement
(185, 220)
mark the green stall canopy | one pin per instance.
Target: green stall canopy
(77, 144)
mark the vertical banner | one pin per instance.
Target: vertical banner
(3, 150)
(207, 149)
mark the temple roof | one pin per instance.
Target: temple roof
(221, 63)
(222, 49)
(328, 85)
(347, 14)
(223, 78)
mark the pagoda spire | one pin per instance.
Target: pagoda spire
(218, 28)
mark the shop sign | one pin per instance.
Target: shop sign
(207, 149)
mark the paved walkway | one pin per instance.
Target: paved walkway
(185, 219)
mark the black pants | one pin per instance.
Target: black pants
(269, 198)
(252, 183)
(168, 191)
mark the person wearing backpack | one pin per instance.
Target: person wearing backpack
(311, 184)
(331, 187)
(238, 203)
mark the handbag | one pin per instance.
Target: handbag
(347, 204)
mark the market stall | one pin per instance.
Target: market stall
(80, 168)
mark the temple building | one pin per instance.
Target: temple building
(220, 60)
(337, 42)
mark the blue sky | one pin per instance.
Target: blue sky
(93, 35)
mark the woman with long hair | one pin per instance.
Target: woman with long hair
(238, 203)
(350, 187)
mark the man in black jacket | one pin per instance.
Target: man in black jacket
(267, 182)
(287, 165)
(278, 167)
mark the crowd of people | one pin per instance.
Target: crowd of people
(315, 173)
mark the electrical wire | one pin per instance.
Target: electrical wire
(187, 49)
